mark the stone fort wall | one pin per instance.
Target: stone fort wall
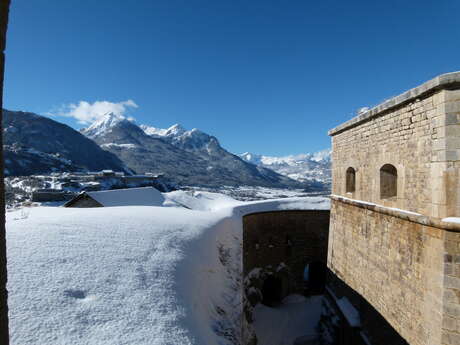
(395, 264)
(397, 252)
(279, 244)
(290, 238)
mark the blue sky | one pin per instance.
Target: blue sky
(267, 77)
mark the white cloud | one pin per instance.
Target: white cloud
(85, 112)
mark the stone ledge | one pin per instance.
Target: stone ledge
(405, 215)
(443, 81)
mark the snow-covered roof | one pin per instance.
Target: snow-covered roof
(145, 196)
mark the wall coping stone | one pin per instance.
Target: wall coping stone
(405, 215)
(447, 81)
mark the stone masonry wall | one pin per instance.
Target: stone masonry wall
(396, 265)
(265, 241)
(421, 139)
(279, 244)
(400, 253)
(451, 293)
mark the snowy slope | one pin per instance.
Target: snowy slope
(129, 275)
(302, 167)
(198, 200)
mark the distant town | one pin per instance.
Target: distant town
(60, 187)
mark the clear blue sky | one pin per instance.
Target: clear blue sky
(267, 77)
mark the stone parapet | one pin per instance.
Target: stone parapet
(410, 216)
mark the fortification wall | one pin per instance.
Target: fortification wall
(279, 244)
(396, 264)
(287, 238)
(396, 251)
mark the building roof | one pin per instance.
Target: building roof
(146, 196)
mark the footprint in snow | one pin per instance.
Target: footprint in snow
(77, 294)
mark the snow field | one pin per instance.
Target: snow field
(132, 274)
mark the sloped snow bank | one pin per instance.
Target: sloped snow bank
(202, 201)
(129, 275)
(103, 275)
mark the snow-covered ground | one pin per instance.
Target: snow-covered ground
(132, 274)
(296, 317)
(252, 193)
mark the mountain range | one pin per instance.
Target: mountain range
(302, 167)
(187, 157)
(35, 144)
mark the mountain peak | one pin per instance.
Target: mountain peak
(103, 125)
(175, 130)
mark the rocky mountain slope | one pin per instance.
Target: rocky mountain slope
(303, 167)
(187, 157)
(34, 144)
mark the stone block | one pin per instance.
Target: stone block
(452, 119)
(452, 107)
(451, 95)
(452, 155)
(452, 310)
(449, 323)
(450, 338)
(451, 296)
(452, 130)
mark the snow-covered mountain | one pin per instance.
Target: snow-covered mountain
(187, 157)
(105, 124)
(302, 167)
(35, 144)
(173, 131)
(194, 140)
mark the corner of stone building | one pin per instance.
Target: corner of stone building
(445, 161)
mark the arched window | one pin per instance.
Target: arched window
(351, 178)
(388, 181)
